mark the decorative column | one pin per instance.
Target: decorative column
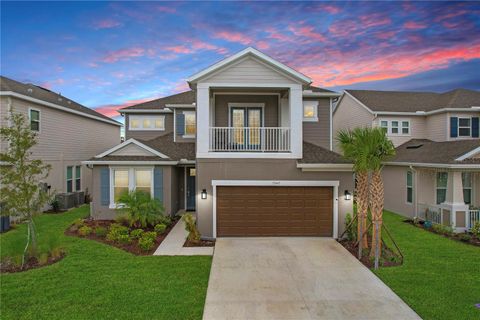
(454, 200)
(296, 120)
(203, 120)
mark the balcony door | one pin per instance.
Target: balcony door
(246, 123)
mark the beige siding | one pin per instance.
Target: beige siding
(417, 128)
(260, 169)
(64, 139)
(436, 127)
(348, 115)
(270, 110)
(395, 182)
(319, 132)
(148, 134)
(248, 70)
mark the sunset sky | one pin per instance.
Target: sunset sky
(108, 55)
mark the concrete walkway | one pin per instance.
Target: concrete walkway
(172, 245)
(295, 278)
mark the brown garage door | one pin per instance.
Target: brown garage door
(274, 211)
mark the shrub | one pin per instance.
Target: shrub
(85, 231)
(78, 222)
(150, 235)
(137, 233)
(160, 228)
(442, 229)
(465, 237)
(476, 229)
(191, 227)
(147, 241)
(140, 209)
(166, 220)
(124, 239)
(55, 204)
(350, 231)
(101, 231)
(116, 231)
(122, 219)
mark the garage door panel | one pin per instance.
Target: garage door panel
(274, 211)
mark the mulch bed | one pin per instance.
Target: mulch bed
(130, 247)
(201, 243)
(8, 266)
(388, 258)
(455, 236)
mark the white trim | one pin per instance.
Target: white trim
(255, 53)
(228, 93)
(435, 165)
(247, 155)
(279, 183)
(213, 85)
(399, 127)
(127, 163)
(348, 167)
(142, 118)
(56, 106)
(468, 154)
(166, 110)
(30, 109)
(181, 105)
(311, 94)
(331, 124)
(463, 127)
(315, 116)
(129, 141)
(131, 180)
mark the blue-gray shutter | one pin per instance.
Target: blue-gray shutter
(180, 123)
(475, 127)
(453, 127)
(158, 183)
(104, 186)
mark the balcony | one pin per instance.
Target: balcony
(250, 139)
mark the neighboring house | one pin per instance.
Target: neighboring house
(435, 174)
(67, 132)
(248, 148)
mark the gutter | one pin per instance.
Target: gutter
(311, 94)
(119, 162)
(166, 110)
(435, 165)
(347, 167)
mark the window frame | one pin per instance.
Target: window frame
(399, 127)
(409, 172)
(189, 112)
(142, 118)
(440, 188)
(314, 118)
(39, 121)
(464, 127)
(69, 180)
(78, 178)
(131, 181)
(468, 188)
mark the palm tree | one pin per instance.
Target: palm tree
(354, 148)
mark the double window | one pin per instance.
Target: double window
(310, 110)
(441, 187)
(129, 179)
(396, 127)
(143, 122)
(467, 187)
(409, 187)
(34, 116)
(74, 178)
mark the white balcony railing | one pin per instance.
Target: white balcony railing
(472, 218)
(249, 139)
(430, 212)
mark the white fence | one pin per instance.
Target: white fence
(431, 213)
(249, 139)
(472, 218)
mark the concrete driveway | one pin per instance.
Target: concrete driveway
(295, 278)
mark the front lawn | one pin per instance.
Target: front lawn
(97, 281)
(440, 278)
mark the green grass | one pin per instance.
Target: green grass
(97, 281)
(440, 278)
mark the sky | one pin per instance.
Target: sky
(109, 55)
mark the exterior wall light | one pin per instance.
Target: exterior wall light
(348, 195)
(204, 194)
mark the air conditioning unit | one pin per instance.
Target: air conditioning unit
(66, 200)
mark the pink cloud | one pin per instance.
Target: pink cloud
(275, 34)
(179, 49)
(111, 110)
(307, 32)
(412, 25)
(329, 8)
(385, 35)
(452, 14)
(374, 20)
(106, 24)
(233, 37)
(123, 54)
(166, 9)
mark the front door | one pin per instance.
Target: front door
(190, 188)
(246, 123)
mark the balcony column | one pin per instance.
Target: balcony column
(296, 120)
(203, 119)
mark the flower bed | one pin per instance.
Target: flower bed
(9, 266)
(138, 241)
(200, 243)
(388, 257)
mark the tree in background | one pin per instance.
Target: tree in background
(21, 191)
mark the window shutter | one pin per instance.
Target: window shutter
(104, 186)
(158, 183)
(453, 127)
(180, 123)
(475, 127)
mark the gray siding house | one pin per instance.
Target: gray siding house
(435, 174)
(248, 149)
(67, 132)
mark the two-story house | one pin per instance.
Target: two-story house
(435, 173)
(67, 132)
(248, 148)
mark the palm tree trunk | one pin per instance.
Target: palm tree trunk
(362, 207)
(376, 206)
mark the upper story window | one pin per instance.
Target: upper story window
(310, 111)
(396, 127)
(144, 122)
(190, 123)
(464, 127)
(34, 116)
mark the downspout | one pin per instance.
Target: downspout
(415, 203)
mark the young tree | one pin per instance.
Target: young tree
(21, 192)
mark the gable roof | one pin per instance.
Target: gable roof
(253, 53)
(46, 97)
(405, 101)
(316, 154)
(431, 152)
(187, 97)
